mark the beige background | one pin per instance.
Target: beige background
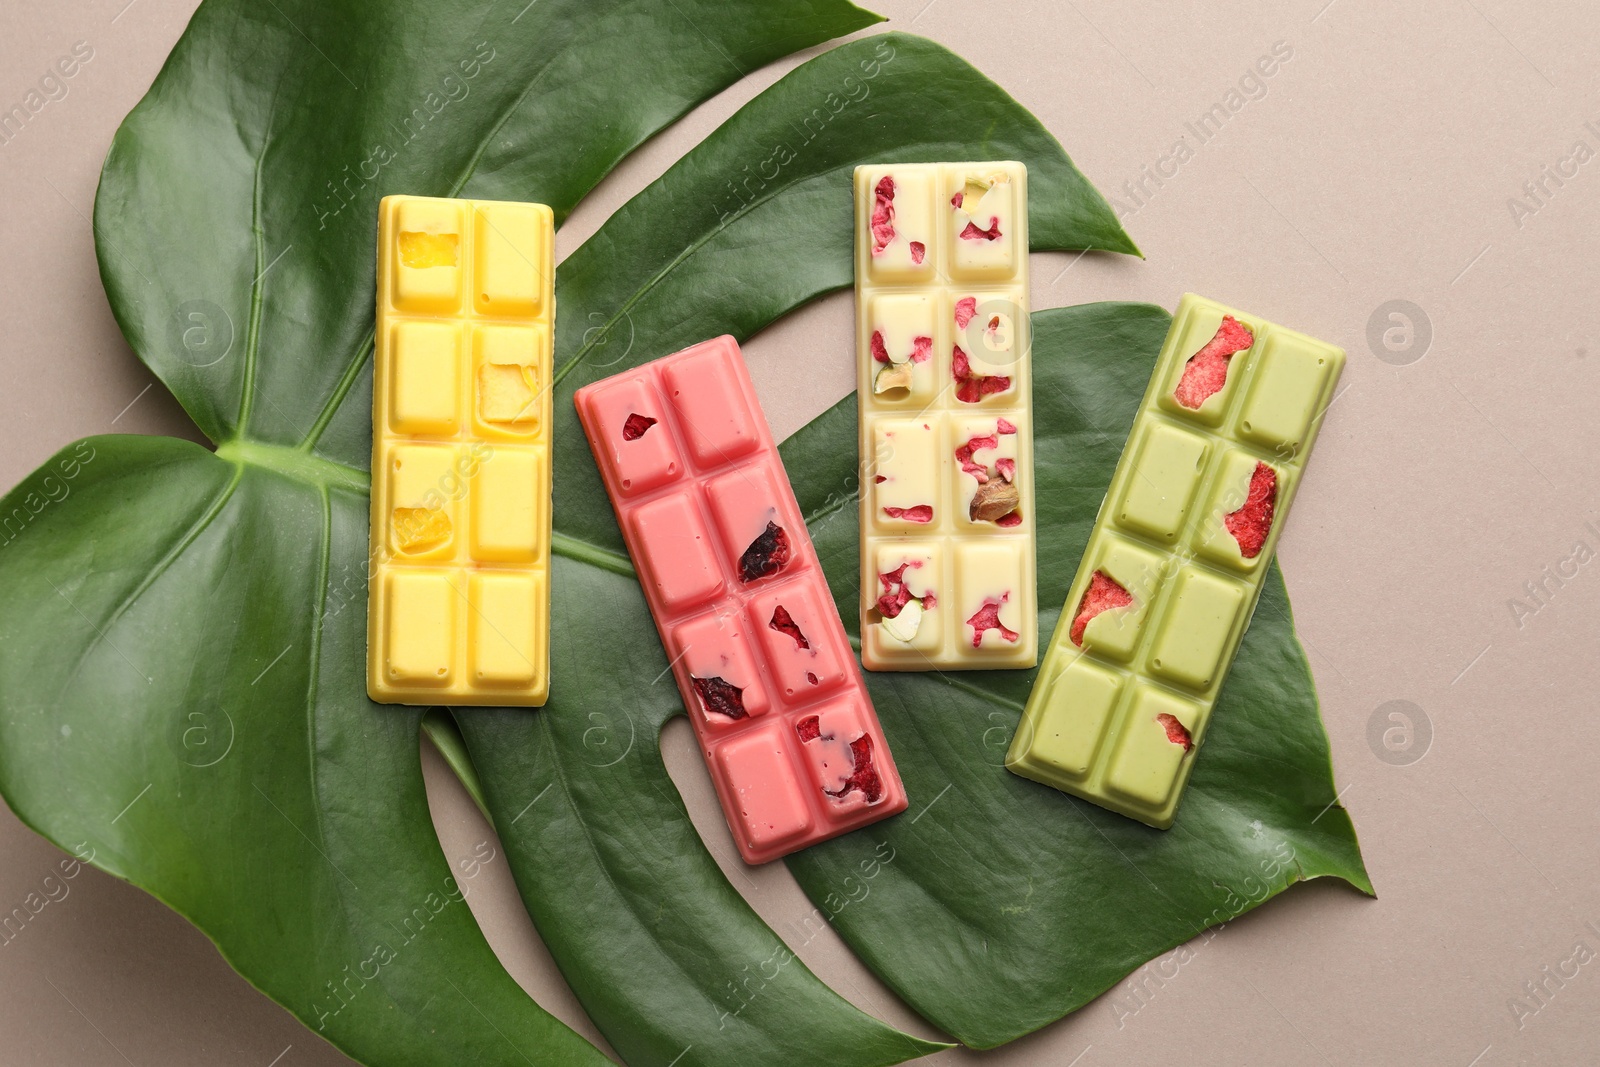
(1376, 167)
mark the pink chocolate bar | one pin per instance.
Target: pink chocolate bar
(761, 658)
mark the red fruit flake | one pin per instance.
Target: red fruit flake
(1177, 733)
(1103, 594)
(966, 307)
(766, 554)
(896, 595)
(784, 623)
(955, 201)
(972, 233)
(971, 388)
(1253, 521)
(883, 215)
(1005, 426)
(921, 348)
(918, 251)
(915, 513)
(988, 618)
(635, 426)
(811, 678)
(809, 728)
(880, 351)
(972, 466)
(864, 777)
(720, 696)
(1207, 370)
(1007, 468)
(1013, 519)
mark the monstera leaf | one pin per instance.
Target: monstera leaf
(182, 700)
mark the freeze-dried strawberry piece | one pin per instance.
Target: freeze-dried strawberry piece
(987, 618)
(915, 513)
(896, 595)
(809, 728)
(956, 201)
(921, 348)
(971, 388)
(972, 233)
(919, 251)
(720, 696)
(966, 307)
(766, 554)
(864, 776)
(784, 623)
(882, 215)
(879, 351)
(1253, 521)
(812, 678)
(1177, 733)
(1007, 468)
(1207, 370)
(1013, 519)
(1005, 426)
(970, 465)
(635, 426)
(1103, 594)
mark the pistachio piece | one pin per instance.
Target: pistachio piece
(892, 376)
(994, 500)
(903, 627)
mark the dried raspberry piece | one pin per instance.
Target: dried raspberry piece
(972, 233)
(970, 465)
(1103, 594)
(720, 696)
(1207, 370)
(971, 388)
(921, 348)
(915, 513)
(784, 623)
(809, 728)
(1005, 426)
(864, 776)
(896, 595)
(811, 678)
(966, 307)
(1007, 468)
(635, 426)
(919, 251)
(988, 618)
(1253, 521)
(956, 201)
(766, 554)
(882, 215)
(1013, 519)
(1177, 733)
(879, 351)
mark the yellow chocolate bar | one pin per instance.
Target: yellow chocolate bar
(459, 592)
(944, 387)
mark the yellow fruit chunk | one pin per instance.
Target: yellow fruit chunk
(418, 249)
(421, 529)
(507, 392)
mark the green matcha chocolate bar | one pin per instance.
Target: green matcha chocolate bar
(1175, 563)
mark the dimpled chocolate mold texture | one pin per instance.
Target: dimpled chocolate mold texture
(459, 598)
(1175, 562)
(946, 433)
(760, 656)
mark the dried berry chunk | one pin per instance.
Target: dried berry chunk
(1253, 521)
(1103, 594)
(970, 465)
(987, 618)
(921, 348)
(766, 555)
(1007, 468)
(915, 513)
(970, 387)
(971, 232)
(995, 501)
(784, 623)
(809, 728)
(635, 426)
(966, 307)
(895, 595)
(1177, 733)
(864, 776)
(1004, 425)
(1207, 370)
(882, 215)
(919, 252)
(720, 696)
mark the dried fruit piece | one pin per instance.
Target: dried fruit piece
(883, 215)
(970, 387)
(994, 501)
(966, 307)
(1007, 468)
(419, 249)
(919, 251)
(507, 392)
(1207, 370)
(864, 776)
(987, 618)
(766, 555)
(921, 349)
(915, 513)
(720, 696)
(421, 529)
(972, 233)
(1103, 594)
(812, 678)
(970, 465)
(809, 728)
(1253, 521)
(891, 377)
(903, 625)
(1177, 733)
(635, 426)
(895, 595)
(784, 623)
(1005, 425)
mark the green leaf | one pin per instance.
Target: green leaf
(584, 780)
(1010, 904)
